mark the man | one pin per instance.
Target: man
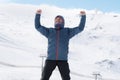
(58, 42)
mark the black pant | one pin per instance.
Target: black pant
(50, 66)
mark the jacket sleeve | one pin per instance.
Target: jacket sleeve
(43, 30)
(79, 28)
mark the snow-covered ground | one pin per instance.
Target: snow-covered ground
(94, 51)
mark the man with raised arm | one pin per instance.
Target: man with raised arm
(58, 44)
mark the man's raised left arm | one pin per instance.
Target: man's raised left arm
(80, 27)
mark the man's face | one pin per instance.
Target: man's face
(58, 20)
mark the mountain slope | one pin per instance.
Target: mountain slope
(95, 49)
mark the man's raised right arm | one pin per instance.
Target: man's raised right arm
(43, 30)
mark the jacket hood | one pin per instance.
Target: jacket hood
(61, 25)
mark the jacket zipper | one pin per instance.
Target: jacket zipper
(57, 44)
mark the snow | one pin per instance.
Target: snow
(95, 50)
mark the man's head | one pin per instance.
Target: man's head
(59, 22)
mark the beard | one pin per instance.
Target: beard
(59, 25)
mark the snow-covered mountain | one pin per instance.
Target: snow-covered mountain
(96, 49)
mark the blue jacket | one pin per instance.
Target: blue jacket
(58, 40)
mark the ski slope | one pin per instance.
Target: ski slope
(95, 50)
